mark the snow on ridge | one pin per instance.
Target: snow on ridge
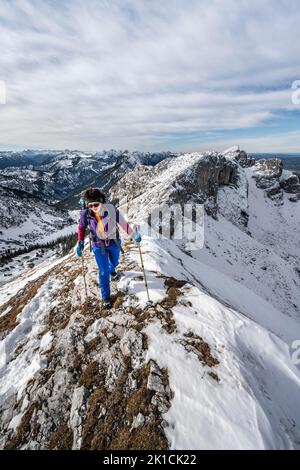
(26, 334)
(231, 151)
(286, 174)
(180, 164)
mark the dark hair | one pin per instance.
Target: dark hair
(93, 194)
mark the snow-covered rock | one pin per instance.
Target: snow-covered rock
(193, 177)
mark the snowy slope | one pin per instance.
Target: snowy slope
(26, 220)
(272, 225)
(240, 390)
(255, 404)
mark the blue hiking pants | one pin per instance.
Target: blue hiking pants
(107, 258)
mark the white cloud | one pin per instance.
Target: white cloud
(283, 142)
(94, 74)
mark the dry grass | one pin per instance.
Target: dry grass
(78, 361)
(172, 282)
(214, 376)
(9, 321)
(173, 292)
(91, 377)
(118, 300)
(111, 429)
(59, 316)
(92, 345)
(149, 436)
(23, 431)
(61, 438)
(195, 344)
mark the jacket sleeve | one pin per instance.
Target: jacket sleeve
(82, 225)
(123, 223)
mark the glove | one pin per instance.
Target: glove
(137, 237)
(80, 247)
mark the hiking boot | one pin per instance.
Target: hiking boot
(105, 303)
(115, 276)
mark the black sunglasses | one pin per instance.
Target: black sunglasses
(94, 204)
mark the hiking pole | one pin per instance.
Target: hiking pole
(84, 279)
(85, 287)
(145, 279)
(83, 273)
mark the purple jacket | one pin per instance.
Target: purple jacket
(107, 229)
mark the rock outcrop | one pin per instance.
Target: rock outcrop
(245, 160)
(291, 185)
(268, 169)
(270, 176)
(240, 156)
(203, 180)
(192, 178)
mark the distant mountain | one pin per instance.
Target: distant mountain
(25, 157)
(110, 173)
(26, 220)
(61, 176)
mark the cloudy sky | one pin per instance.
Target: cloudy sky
(150, 75)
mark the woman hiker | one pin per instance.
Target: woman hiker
(103, 221)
